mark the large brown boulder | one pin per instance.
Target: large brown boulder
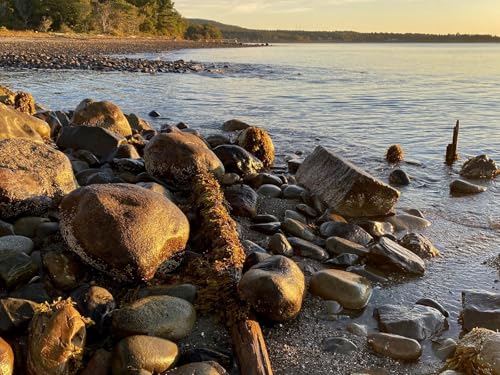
(124, 230)
(103, 115)
(15, 124)
(33, 177)
(345, 187)
(6, 358)
(257, 142)
(176, 156)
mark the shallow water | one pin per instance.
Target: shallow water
(356, 99)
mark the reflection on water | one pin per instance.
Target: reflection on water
(355, 99)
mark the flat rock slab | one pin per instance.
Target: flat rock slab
(398, 256)
(460, 187)
(416, 322)
(480, 309)
(345, 187)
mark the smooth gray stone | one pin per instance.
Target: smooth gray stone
(307, 249)
(460, 187)
(480, 308)
(338, 345)
(270, 191)
(298, 229)
(337, 246)
(401, 258)
(431, 303)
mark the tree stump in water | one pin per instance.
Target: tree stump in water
(451, 150)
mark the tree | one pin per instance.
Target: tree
(203, 32)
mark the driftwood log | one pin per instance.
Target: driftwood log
(451, 150)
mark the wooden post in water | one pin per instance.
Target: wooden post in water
(451, 150)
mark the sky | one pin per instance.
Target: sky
(426, 16)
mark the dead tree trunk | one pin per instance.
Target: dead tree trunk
(451, 150)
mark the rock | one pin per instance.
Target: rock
(238, 160)
(417, 322)
(399, 177)
(351, 232)
(419, 245)
(367, 272)
(34, 292)
(14, 124)
(138, 124)
(200, 368)
(156, 188)
(104, 115)
(63, 270)
(164, 316)
(395, 154)
(6, 358)
(186, 292)
(307, 249)
(197, 355)
(252, 247)
(432, 303)
(19, 244)
(357, 329)
(122, 229)
(33, 177)
(479, 167)
(344, 260)
(24, 102)
(233, 125)
(27, 226)
(56, 340)
(258, 179)
(252, 259)
(294, 165)
(477, 353)
(153, 354)
(344, 187)
(338, 245)
(333, 308)
(274, 288)
(126, 151)
(480, 309)
(215, 140)
(350, 290)
(16, 268)
(330, 215)
(376, 228)
(306, 210)
(270, 191)
(338, 345)
(293, 192)
(99, 363)
(298, 229)
(134, 166)
(242, 199)
(230, 179)
(258, 142)
(460, 187)
(6, 229)
(267, 228)
(178, 156)
(408, 223)
(398, 256)
(444, 348)
(95, 303)
(394, 346)
(154, 114)
(279, 245)
(264, 218)
(15, 313)
(294, 215)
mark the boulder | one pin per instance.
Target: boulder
(395, 346)
(350, 290)
(275, 288)
(269, 191)
(258, 142)
(398, 256)
(480, 309)
(419, 245)
(242, 199)
(177, 156)
(416, 322)
(138, 124)
(164, 316)
(124, 230)
(233, 125)
(139, 352)
(460, 187)
(104, 115)
(15, 124)
(399, 177)
(351, 232)
(480, 167)
(345, 187)
(33, 177)
(238, 160)
(6, 358)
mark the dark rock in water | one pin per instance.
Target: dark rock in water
(6, 358)
(339, 345)
(33, 177)
(64, 271)
(265, 218)
(153, 354)
(15, 313)
(254, 258)
(167, 317)
(34, 292)
(177, 156)
(101, 142)
(252, 247)
(154, 114)
(307, 249)
(376, 228)
(351, 232)
(238, 160)
(267, 228)
(242, 199)
(258, 142)
(123, 229)
(460, 187)
(431, 303)
(395, 346)
(298, 229)
(217, 140)
(419, 245)
(293, 192)
(274, 288)
(480, 167)
(95, 303)
(259, 179)
(399, 177)
(338, 245)
(16, 268)
(294, 165)
(408, 223)
(203, 355)
(57, 339)
(233, 125)
(187, 292)
(344, 260)
(480, 309)
(270, 191)
(417, 322)
(350, 290)
(199, 368)
(398, 256)
(344, 187)
(395, 154)
(279, 245)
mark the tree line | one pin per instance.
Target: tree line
(117, 17)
